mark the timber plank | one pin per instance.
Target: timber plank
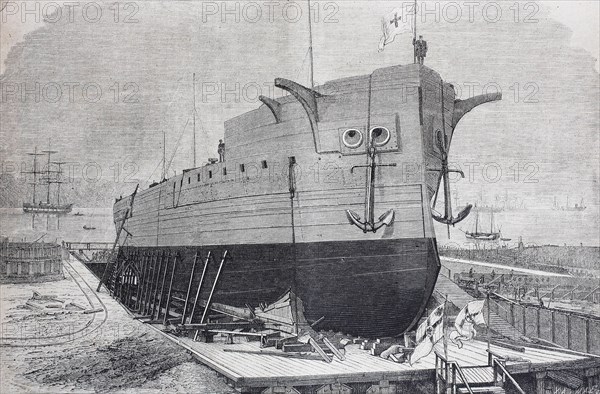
(253, 370)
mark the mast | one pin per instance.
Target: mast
(492, 220)
(35, 171)
(48, 171)
(164, 156)
(58, 179)
(310, 49)
(194, 142)
(477, 222)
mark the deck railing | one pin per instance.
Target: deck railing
(500, 370)
(446, 371)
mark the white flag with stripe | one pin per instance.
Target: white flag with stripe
(428, 334)
(466, 320)
(400, 20)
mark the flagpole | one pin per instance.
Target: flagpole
(194, 143)
(415, 35)
(489, 336)
(445, 320)
(310, 48)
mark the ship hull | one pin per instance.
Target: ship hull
(279, 205)
(483, 237)
(368, 288)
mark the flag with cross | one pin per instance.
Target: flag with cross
(428, 334)
(466, 320)
(400, 20)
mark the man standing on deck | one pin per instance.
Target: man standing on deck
(221, 151)
(420, 49)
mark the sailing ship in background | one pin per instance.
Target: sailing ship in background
(511, 203)
(575, 208)
(46, 177)
(477, 234)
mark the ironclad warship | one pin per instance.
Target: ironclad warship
(284, 202)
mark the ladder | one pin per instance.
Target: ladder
(481, 379)
(115, 247)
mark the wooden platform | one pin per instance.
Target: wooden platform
(445, 287)
(254, 372)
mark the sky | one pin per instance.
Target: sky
(112, 85)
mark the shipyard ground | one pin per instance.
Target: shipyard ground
(104, 351)
(110, 351)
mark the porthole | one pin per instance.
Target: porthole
(352, 138)
(380, 136)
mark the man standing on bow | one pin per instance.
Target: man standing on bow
(420, 49)
(221, 151)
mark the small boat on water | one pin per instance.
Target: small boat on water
(86, 227)
(576, 208)
(78, 214)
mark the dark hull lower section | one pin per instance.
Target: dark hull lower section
(368, 288)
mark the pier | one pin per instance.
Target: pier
(87, 246)
(506, 357)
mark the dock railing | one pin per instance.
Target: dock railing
(551, 325)
(500, 371)
(446, 372)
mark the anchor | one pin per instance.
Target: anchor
(448, 219)
(369, 224)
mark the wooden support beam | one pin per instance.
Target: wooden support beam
(162, 288)
(146, 284)
(138, 288)
(221, 326)
(587, 336)
(127, 284)
(296, 347)
(129, 280)
(319, 350)
(334, 350)
(142, 280)
(116, 243)
(148, 281)
(278, 354)
(568, 330)
(553, 334)
(189, 290)
(155, 283)
(197, 298)
(167, 306)
(507, 345)
(214, 286)
(317, 322)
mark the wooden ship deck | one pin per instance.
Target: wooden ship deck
(250, 372)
